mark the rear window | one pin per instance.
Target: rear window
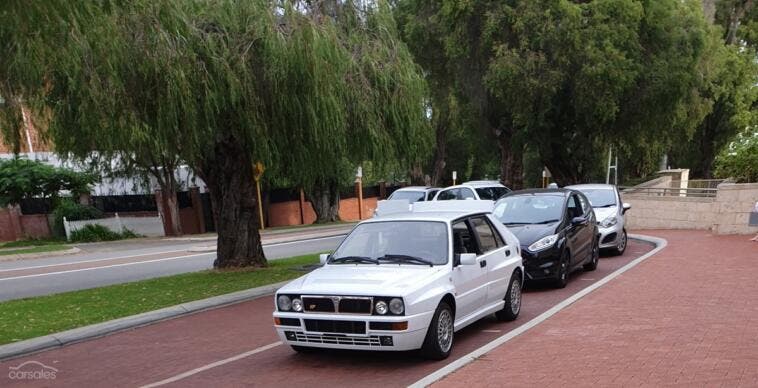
(491, 193)
(410, 196)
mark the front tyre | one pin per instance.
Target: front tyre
(620, 247)
(592, 264)
(512, 300)
(562, 275)
(439, 336)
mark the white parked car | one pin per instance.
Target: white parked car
(406, 280)
(610, 213)
(479, 190)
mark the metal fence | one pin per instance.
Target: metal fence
(670, 191)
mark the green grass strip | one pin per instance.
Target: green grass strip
(33, 317)
(39, 249)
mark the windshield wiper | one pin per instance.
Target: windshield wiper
(354, 259)
(406, 258)
(545, 222)
(608, 205)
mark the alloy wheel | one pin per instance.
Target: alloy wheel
(622, 242)
(516, 296)
(445, 330)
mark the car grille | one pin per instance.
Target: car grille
(338, 304)
(609, 238)
(337, 339)
(332, 326)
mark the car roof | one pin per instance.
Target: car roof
(482, 183)
(560, 191)
(592, 186)
(438, 216)
(415, 188)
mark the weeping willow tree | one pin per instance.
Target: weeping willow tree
(221, 83)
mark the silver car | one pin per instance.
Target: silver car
(609, 212)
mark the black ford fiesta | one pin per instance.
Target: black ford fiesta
(557, 231)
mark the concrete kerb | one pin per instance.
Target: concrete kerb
(38, 255)
(35, 345)
(468, 358)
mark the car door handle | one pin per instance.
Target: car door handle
(507, 252)
(483, 263)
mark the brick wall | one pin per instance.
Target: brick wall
(288, 213)
(14, 226)
(728, 213)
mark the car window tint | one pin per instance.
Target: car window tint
(585, 205)
(447, 195)
(431, 194)
(573, 207)
(486, 236)
(466, 194)
(496, 233)
(491, 193)
(410, 196)
(462, 239)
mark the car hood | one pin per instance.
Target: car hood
(602, 213)
(529, 234)
(350, 279)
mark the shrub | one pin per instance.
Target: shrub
(95, 232)
(74, 212)
(739, 159)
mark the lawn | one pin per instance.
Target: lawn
(33, 317)
(34, 249)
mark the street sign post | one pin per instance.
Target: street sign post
(258, 170)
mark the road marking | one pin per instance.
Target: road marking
(304, 240)
(89, 261)
(463, 361)
(102, 267)
(212, 365)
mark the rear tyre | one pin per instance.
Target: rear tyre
(620, 247)
(439, 337)
(592, 264)
(512, 300)
(561, 278)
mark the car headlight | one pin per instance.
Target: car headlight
(381, 307)
(396, 306)
(297, 305)
(284, 303)
(610, 221)
(544, 243)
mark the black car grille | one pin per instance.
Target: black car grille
(355, 306)
(331, 326)
(609, 238)
(318, 304)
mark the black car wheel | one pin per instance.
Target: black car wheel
(439, 337)
(512, 300)
(561, 278)
(620, 247)
(592, 264)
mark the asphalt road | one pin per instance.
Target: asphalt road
(105, 264)
(236, 346)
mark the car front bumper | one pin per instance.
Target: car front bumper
(342, 331)
(540, 265)
(611, 236)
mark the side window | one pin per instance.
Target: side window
(447, 195)
(431, 194)
(585, 205)
(466, 194)
(573, 207)
(483, 229)
(463, 240)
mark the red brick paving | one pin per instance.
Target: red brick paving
(687, 316)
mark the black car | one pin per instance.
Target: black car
(556, 229)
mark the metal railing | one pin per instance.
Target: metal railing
(696, 192)
(698, 183)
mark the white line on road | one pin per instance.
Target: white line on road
(463, 361)
(102, 267)
(304, 240)
(90, 261)
(212, 365)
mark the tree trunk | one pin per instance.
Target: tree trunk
(511, 162)
(325, 199)
(172, 204)
(229, 176)
(440, 151)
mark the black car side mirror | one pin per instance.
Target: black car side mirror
(578, 221)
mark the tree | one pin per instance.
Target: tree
(739, 159)
(228, 83)
(22, 178)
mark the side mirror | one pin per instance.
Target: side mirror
(322, 258)
(578, 221)
(625, 206)
(467, 258)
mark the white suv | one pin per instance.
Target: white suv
(479, 190)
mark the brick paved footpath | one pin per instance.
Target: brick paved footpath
(687, 316)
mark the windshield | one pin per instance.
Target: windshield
(426, 240)
(529, 209)
(491, 193)
(600, 197)
(411, 196)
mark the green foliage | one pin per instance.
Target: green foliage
(739, 159)
(21, 178)
(74, 211)
(94, 233)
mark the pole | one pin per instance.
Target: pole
(608, 172)
(360, 198)
(260, 203)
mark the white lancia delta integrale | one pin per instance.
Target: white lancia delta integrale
(406, 280)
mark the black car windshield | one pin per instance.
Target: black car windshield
(411, 196)
(390, 241)
(600, 197)
(529, 209)
(491, 193)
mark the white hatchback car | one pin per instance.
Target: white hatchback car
(610, 212)
(406, 280)
(479, 190)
